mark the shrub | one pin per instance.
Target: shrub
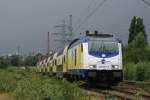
(138, 72)
(129, 71)
(142, 71)
(4, 63)
(147, 73)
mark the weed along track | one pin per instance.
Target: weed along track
(124, 91)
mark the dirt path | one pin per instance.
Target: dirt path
(4, 96)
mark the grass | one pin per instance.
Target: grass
(27, 85)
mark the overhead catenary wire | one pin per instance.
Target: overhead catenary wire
(92, 4)
(91, 14)
(146, 2)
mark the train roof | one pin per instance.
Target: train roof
(87, 37)
(99, 35)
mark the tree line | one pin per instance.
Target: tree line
(19, 60)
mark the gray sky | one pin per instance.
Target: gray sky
(26, 22)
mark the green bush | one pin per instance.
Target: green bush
(130, 71)
(138, 72)
(142, 71)
(147, 73)
(4, 63)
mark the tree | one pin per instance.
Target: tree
(136, 27)
(132, 30)
(4, 62)
(138, 50)
(16, 60)
(32, 59)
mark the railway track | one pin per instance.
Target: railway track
(124, 91)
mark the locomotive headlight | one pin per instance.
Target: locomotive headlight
(103, 55)
(115, 66)
(92, 66)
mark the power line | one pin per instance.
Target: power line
(64, 37)
(90, 15)
(63, 26)
(88, 9)
(92, 3)
(146, 2)
(70, 25)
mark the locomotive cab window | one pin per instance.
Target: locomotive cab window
(98, 47)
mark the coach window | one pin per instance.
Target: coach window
(55, 62)
(75, 57)
(64, 59)
(81, 47)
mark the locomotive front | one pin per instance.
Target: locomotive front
(103, 59)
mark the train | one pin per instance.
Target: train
(90, 57)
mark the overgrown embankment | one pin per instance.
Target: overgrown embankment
(27, 85)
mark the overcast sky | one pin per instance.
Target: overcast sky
(26, 22)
